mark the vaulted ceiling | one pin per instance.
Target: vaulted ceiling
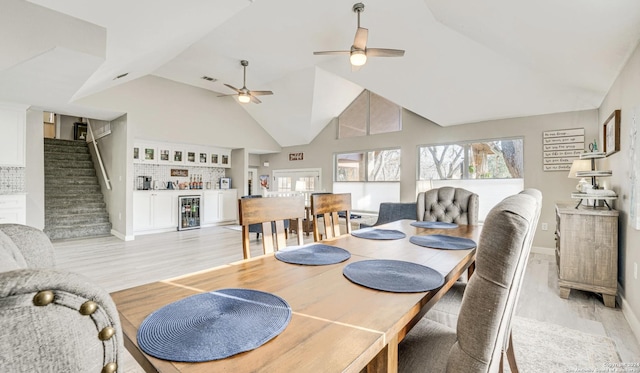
(466, 61)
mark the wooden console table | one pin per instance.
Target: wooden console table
(587, 250)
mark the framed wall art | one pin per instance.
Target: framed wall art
(611, 133)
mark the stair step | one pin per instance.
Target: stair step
(69, 181)
(69, 156)
(75, 219)
(71, 190)
(68, 172)
(51, 148)
(65, 200)
(60, 142)
(62, 163)
(72, 207)
(74, 231)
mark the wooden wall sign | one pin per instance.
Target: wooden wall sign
(561, 147)
(179, 172)
(296, 156)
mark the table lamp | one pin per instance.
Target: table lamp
(577, 166)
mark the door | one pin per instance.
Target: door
(252, 181)
(142, 214)
(229, 205)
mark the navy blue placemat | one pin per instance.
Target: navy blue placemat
(313, 255)
(378, 234)
(434, 224)
(393, 275)
(212, 326)
(441, 241)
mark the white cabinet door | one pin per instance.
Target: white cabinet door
(229, 205)
(13, 122)
(13, 209)
(211, 207)
(164, 210)
(142, 211)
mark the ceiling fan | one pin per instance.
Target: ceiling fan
(359, 51)
(244, 94)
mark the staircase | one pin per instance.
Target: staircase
(74, 204)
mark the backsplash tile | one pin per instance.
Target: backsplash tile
(12, 180)
(162, 173)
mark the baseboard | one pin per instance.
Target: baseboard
(631, 317)
(543, 250)
(122, 236)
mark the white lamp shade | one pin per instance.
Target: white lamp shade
(358, 58)
(579, 165)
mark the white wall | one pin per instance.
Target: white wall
(35, 169)
(625, 95)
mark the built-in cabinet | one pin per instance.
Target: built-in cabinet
(13, 122)
(156, 211)
(180, 154)
(587, 250)
(13, 209)
(220, 206)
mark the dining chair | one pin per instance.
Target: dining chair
(271, 214)
(325, 209)
(482, 336)
(448, 204)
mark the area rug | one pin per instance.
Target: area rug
(545, 347)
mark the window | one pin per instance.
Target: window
(369, 114)
(300, 180)
(491, 159)
(374, 165)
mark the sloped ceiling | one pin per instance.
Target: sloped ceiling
(466, 61)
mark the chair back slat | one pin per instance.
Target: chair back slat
(328, 206)
(271, 213)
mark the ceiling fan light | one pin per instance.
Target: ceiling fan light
(244, 98)
(358, 58)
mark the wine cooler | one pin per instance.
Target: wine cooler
(189, 210)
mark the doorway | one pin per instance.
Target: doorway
(49, 125)
(252, 181)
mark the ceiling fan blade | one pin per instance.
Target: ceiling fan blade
(383, 52)
(331, 52)
(255, 99)
(232, 87)
(261, 93)
(233, 94)
(360, 41)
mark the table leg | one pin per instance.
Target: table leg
(386, 361)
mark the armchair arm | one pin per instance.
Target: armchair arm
(57, 321)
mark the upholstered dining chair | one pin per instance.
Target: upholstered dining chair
(482, 336)
(52, 320)
(271, 214)
(325, 209)
(448, 204)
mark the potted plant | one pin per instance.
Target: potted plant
(472, 171)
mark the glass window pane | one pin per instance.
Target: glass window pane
(353, 120)
(384, 165)
(441, 162)
(384, 115)
(350, 167)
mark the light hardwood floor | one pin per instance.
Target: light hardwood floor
(116, 265)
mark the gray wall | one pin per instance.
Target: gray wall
(34, 177)
(417, 131)
(625, 95)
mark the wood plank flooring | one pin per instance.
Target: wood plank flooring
(115, 265)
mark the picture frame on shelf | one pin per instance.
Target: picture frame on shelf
(164, 155)
(79, 131)
(611, 133)
(178, 156)
(191, 157)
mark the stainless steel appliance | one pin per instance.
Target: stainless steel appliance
(189, 212)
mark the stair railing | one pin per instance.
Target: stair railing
(95, 146)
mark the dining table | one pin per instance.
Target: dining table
(336, 325)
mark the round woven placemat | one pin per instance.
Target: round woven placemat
(393, 275)
(442, 241)
(378, 234)
(212, 326)
(313, 255)
(434, 224)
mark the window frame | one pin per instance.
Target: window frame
(366, 165)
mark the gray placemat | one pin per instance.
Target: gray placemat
(441, 241)
(393, 275)
(378, 234)
(314, 255)
(212, 326)
(434, 224)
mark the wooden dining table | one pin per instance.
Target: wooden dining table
(337, 325)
